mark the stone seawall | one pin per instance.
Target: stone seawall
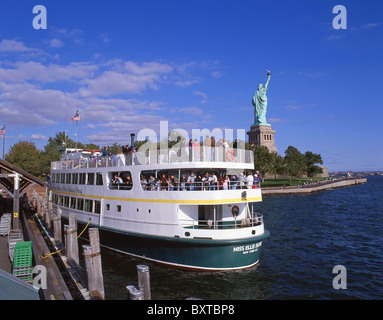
(329, 185)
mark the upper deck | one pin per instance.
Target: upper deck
(212, 157)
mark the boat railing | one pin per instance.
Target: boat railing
(162, 156)
(255, 220)
(200, 186)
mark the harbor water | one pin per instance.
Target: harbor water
(310, 235)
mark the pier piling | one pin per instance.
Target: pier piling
(92, 255)
(142, 291)
(144, 281)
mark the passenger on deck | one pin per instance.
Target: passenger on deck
(249, 180)
(183, 182)
(205, 181)
(234, 181)
(242, 181)
(198, 182)
(151, 183)
(117, 180)
(105, 152)
(190, 181)
(164, 182)
(226, 183)
(129, 182)
(213, 181)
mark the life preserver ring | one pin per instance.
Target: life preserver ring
(235, 211)
(230, 155)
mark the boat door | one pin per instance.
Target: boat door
(102, 210)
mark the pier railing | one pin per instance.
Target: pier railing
(162, 156)
(255, 220)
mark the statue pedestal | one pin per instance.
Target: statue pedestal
(263, 136)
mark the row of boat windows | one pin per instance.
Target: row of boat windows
(82, 204)
(90, 178)
(88, 205)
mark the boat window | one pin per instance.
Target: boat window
(66, 201)
(107, 207)
(80, 204)
(120, 180)
(81, 179)
(67, 178)
(97, 206)
(73, 203)
(118, 208)
(88, 205)
(99, 181)
(90, 179)
(74, 178)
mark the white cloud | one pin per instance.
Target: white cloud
(38, 136)
(201, 94)
(56, 43)
(133, 78)
(14, 46)
(31, 70)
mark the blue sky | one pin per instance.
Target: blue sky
(127, 65)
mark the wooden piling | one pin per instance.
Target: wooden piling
(73, 223)
(144, 281)
(70, 243)
(134, 293)
(57, 225)
(92, 255)
(142, 292)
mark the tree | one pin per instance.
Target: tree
(25, 155)
(263, 159)
(278, 165)
(311, 159)
(295, 162)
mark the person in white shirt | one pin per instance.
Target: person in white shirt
(213, 181)
(249, 180)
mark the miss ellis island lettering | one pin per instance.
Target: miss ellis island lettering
(250, 248)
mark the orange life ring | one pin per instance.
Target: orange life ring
(235, 211)
(230, 155)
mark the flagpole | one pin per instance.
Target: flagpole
(4, 144)
(76, 133)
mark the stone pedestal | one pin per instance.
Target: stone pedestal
(262, 136)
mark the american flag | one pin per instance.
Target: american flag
(76, 117)
(2, 130)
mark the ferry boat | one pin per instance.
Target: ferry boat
(197, 224)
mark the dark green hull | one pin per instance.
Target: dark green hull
(197, 254)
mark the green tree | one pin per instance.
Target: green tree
(295, 162)
(311, 160)
(277, 165)
(25, 155)
(263, 159)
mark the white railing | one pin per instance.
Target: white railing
(163, 156)
(196, 186)
(255, 220)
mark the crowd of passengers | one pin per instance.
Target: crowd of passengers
(206, 181)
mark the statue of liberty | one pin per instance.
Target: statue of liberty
(259, 102)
